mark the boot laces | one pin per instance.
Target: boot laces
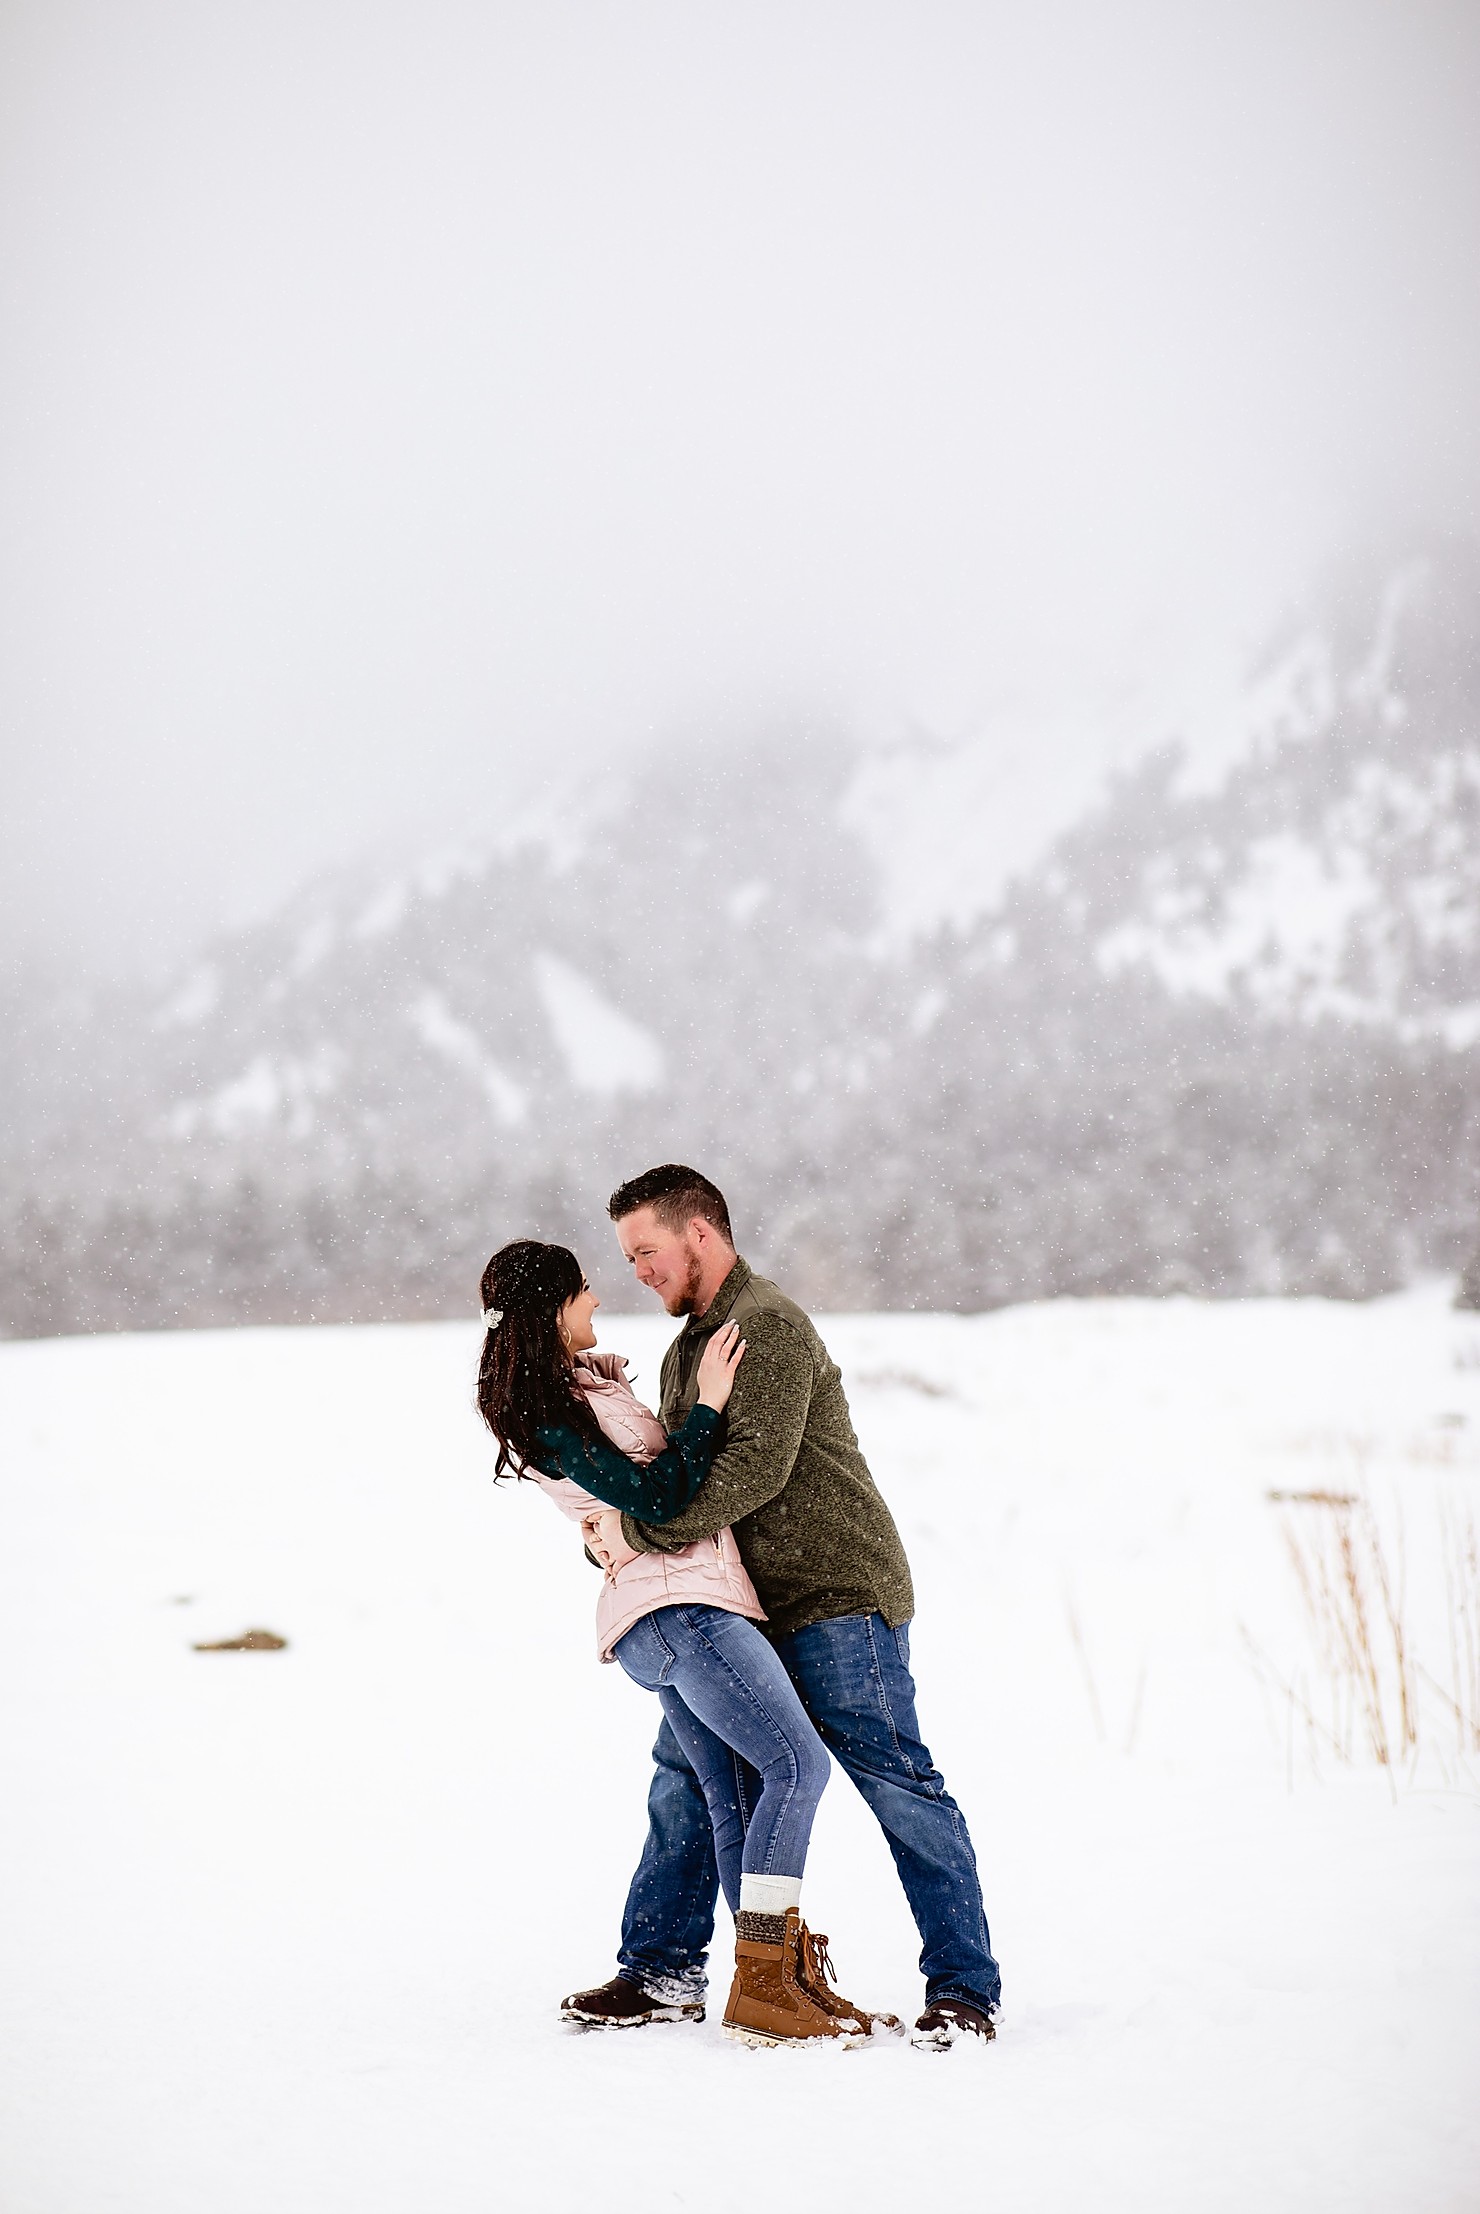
(821, 1958)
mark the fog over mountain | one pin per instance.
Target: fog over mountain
(399, 403)
(1222, 1036)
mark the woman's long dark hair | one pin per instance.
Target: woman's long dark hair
(524, 1378)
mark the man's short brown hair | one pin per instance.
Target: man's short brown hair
(676, 1194)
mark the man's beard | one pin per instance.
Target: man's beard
(690, 1296)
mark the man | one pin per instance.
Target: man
(827, 1562)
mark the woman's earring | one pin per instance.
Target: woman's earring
(564, 1336)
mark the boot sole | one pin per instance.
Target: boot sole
(629, 2021)
(759, 2041)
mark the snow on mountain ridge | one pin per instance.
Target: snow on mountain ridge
(269, 1093)
(1334, 871)
(1281, 932)
(872, 897)
(949, 825)
(1370, 913)
(1300, 690)
(458, 1043)
(606, 1053)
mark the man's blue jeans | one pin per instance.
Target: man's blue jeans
(853, 1674)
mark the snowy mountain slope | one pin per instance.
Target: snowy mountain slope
(286, 1930)
(1124, 1067)
(1335, 869)
(524, 991)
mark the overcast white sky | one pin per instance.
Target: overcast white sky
(400, 397)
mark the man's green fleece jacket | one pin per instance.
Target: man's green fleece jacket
(789, 1478)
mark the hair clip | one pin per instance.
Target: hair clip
(492, 1317)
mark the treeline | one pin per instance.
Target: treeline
(1210, 1159)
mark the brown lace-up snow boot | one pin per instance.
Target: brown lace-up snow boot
(818, 1978)
(769, 2002)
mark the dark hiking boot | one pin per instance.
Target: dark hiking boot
(819, 1977)
(946, 2022)
(770, 2004)
(622, 2004)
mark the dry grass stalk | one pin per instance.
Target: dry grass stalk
(1462, 1591)
(1355, 1607)
(1393, 1612)
(1296, 1702)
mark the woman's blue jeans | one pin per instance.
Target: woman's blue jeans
(736, 1714)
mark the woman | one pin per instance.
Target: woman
(681, 1624)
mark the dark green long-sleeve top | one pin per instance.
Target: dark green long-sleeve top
(789, 1478)
(657, 1492)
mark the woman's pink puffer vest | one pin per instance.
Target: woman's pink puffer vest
(708, 1573)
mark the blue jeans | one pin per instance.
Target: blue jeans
(853, 1674)
(732, 1707)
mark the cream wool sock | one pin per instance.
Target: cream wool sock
(769, 1894)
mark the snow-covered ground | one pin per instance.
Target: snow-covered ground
(283, 1932)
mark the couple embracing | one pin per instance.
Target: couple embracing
(753, 1578)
